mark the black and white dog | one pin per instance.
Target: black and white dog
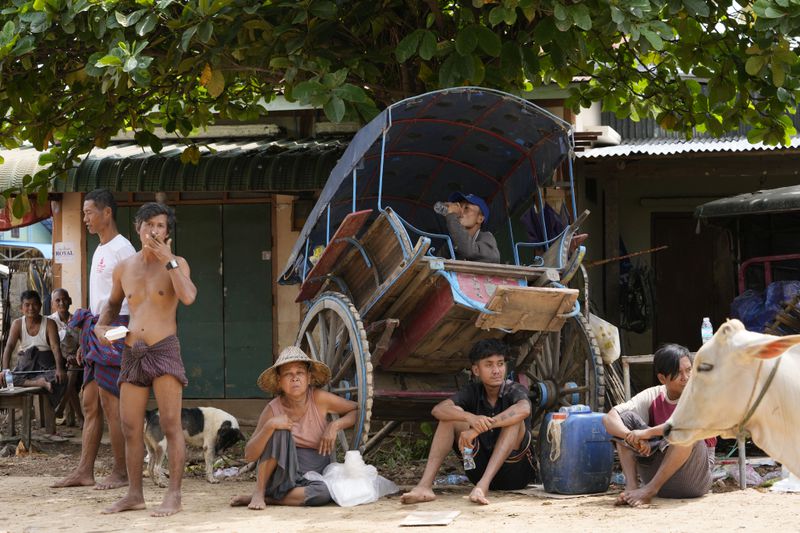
(208, 427)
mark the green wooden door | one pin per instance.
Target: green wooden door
(200, 326)
(226, 335)
(248, 297)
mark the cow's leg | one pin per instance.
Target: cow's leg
(674, 458)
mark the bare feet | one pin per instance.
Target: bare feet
(477, 496)
(114, 481)
(635, 498)
(241, 501)
(170, 505)
(128, 503)
(75, 479)
(257, 502)
(418, 495)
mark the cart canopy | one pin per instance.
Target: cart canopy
(423, 149)
(768, 201)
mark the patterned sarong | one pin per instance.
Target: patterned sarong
(141, 364)
(101, 361)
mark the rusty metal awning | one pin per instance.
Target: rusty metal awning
(270, 165)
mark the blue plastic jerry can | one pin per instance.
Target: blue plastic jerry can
(575, 451)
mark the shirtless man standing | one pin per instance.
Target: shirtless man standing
(153, 281)
(101, 362)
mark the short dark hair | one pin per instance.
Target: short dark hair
(30, 295)
(153, 209)
(487, 348)
(667, 359)
(102, 198)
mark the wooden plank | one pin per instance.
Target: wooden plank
(611, 249)
(493, 269)
(348, 228)
(527, 308)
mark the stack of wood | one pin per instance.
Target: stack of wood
(787, 321)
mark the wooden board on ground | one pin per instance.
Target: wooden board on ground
(430, 518)
(527, 308)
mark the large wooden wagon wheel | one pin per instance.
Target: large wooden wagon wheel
(332, 332)
(565, 368)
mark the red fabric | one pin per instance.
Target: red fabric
(660, 411)
(36, 214)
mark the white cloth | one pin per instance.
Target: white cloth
(62, 326)
(105, 258)
(39, 340)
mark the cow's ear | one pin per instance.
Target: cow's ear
(777, 347)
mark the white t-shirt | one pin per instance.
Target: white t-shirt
(105, 258)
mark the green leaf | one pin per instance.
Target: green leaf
(756, 135)
(616, 15)
(407, 47)
(754, 65)
(488, 41)
(146, 25)
(334, 79)
(39, 5)
(109, 61)
(216, 85)
(45, 158)
(696, 8)
(582, 17)
(187, 37)
(334, 109)
(466, 41)
(305, 91)
(323, 9)
(351, 93)
(560, 12)
(427, 47)
(130, 64)
(653, 38)
(190, 154)
(205, 30)
(778, 74)
(497, 15)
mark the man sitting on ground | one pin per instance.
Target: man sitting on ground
(493, 417)
(465, 215)
(669, 471)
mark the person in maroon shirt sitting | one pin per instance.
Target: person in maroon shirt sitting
(668, 471)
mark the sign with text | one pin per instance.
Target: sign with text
(64, 252)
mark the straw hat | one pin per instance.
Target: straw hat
(319, 373)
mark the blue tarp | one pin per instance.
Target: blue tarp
(467, 139)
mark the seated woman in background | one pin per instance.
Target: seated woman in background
(293, 435)
(39, 361)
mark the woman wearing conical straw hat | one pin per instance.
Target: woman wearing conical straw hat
(293, 435)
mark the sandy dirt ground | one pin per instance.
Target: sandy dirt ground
(28, 505)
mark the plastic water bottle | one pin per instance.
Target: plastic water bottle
(440, 207)
(451, 479)
(706, 330)
(469, 459)
(9, 380)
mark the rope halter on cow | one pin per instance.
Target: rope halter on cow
(739, 429)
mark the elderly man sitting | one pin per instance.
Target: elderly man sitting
(293, 435)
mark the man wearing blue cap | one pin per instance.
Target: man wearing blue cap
(465, 215)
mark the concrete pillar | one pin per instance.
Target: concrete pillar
(68, 228)
(286, 313)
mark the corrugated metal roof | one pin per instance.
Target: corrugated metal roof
(656, 147)
(225, 165)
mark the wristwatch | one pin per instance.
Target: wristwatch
(173, 263)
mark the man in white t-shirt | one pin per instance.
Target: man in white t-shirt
(101, 362)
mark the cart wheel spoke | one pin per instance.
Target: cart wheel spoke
(332, 331)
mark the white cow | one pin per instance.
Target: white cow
(729, 373)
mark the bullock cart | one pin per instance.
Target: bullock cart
(388, 307)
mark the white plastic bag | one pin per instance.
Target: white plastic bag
(607, 336)
(353, 482)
